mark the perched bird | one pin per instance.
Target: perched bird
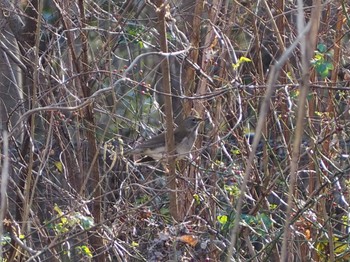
(184, 137)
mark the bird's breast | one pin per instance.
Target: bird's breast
(155, 153)
(185, 145)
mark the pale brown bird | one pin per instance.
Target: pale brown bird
(184, 136)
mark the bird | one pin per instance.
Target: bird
(184, 137)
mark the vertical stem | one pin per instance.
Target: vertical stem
(194, 54)
(307, 46)
(28, 190)
(161, 11)
(3, 186)
(93, 175)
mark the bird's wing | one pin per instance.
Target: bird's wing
(153, 142)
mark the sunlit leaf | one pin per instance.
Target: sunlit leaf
(59, 166)
(134, 244)
(84, 250)
(236, 151)
(222, 219)
(243, 59)
(58, 210)
(196, 198)
(189, 239)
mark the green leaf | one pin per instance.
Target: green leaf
(266, 220)
(141, 45)
(235, 151)
(134, 244)
(273, 206)
(243, 59)
(84, 250)
(222, 219)
(318, 57)
(85, 221)
(330, 66)
(295, 93)
(5, 239)
(323, 69)
(58, 210)
(197, 198)
(59, 166)
(232, 190)
(322, 48)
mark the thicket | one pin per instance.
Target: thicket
(84, 81)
